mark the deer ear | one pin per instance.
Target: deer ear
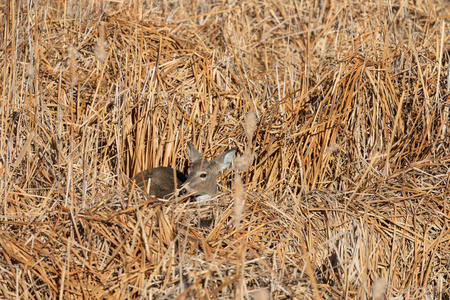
(224, 160)
(194, 155)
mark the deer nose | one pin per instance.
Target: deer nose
(183, 192)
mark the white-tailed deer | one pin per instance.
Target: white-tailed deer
(201, 179)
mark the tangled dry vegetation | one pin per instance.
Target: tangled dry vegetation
(340, 114)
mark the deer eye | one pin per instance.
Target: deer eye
(203, 175)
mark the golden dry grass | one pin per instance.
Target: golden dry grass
(342, 190)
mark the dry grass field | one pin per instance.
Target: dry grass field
(340, 111)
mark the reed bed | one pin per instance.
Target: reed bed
(340, 113)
